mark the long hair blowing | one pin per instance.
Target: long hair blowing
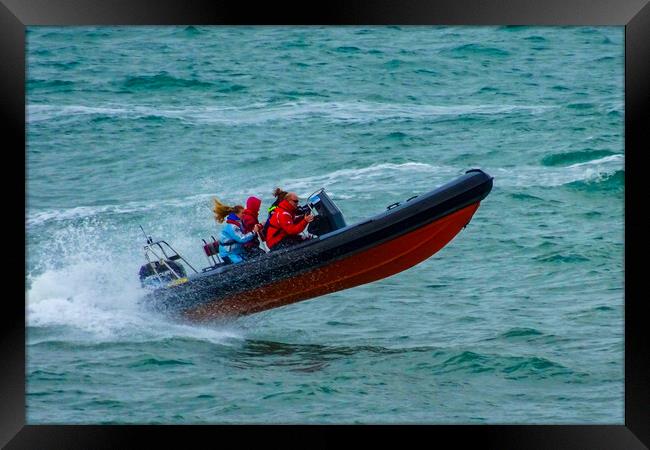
(279, 193)
(222, 210)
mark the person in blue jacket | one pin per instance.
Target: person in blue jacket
(232, 237)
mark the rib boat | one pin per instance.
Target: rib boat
(336, 256)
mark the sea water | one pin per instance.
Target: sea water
(519, 319)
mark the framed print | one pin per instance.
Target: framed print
(390, 220)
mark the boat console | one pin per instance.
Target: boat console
(328, 216)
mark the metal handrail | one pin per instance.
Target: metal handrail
(148, 248)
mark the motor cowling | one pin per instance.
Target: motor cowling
(329, 218)
(162, 274)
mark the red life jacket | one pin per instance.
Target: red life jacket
(283, 224)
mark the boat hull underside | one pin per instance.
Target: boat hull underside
(381, 261)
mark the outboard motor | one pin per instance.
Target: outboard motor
(329, 217)
(162, 266)
(162, 273)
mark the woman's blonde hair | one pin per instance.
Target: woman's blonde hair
(221, 210)
(279, 193)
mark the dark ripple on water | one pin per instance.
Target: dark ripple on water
(581, 106)
(468, 50)
(525, 197)
(147, 362)
(511, 367)
(191, 31)
(521, 332)
(561, 258)
(535, 38)
(162, 81)
(52, 85)
(311, 358)
(348, 49)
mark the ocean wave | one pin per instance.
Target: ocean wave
(40, 217)
(474, 49)
(258, 113)
(512, 367)
(574, 157)
(439, 361)
(148, 362)
(442, 361)
(534, 367)
(358, 179)
(581, 105)
(305, 185)
(161, 80)
(229, 88)
(191, 30)
(605, 182)
(526, 197)
(296, 93)
(53, 85)
(357, 182)
(562, 258)
(616, 158)
(535, 38)
(38, 113)
(593, 172)
(347, 49)
(520, 332)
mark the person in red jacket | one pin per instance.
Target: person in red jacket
(284, 229)
(249, 219)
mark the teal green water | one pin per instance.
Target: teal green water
(518, 320)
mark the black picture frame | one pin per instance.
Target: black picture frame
(16, 15)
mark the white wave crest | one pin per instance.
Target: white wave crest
(257, 113)
(358, 183)
(528, 176)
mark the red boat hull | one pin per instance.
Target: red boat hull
(375, 263)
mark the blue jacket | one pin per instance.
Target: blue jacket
(232, 238)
